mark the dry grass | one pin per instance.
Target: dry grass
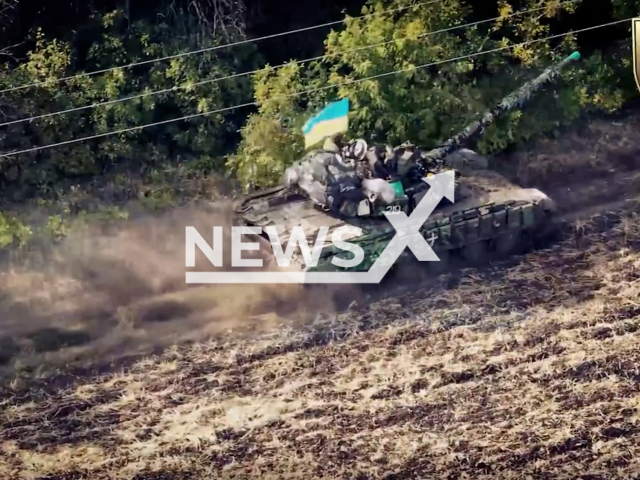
(523, 371)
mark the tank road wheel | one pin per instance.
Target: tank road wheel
(440, 267)
(508, 243)
(340, 295)
(475, 253)
(511, 243)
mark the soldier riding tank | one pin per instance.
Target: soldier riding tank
(490, 218)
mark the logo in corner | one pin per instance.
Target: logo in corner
(635, 39)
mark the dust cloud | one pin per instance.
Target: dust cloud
(109, 292)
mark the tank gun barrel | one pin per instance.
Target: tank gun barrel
(508, 103)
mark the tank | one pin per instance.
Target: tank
(490, 218)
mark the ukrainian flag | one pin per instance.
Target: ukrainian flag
(331, 120)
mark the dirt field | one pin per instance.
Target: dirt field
(531, 368)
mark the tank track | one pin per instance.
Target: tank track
(474, 235)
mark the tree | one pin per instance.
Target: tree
(114, 40)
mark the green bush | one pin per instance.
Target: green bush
(112, 41)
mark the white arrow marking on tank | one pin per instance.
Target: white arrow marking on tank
(442, 186)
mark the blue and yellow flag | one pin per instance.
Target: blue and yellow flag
(331, 120)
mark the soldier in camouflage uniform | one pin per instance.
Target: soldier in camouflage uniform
(335, 143)
(386, 162)
(329, 180)
(335, 179)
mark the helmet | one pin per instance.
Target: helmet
(357, 149)
(338, 138)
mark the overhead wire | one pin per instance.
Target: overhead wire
(296, 94)
(213, 48)
(242, 74)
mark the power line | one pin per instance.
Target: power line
(217, 47)
(349, 82)
(238, 75)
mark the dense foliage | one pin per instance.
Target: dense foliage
(110, 42)
(429, 104)
(254, 145)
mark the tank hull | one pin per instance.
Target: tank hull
(491, 219)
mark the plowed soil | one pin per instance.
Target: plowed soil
(525, 370)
